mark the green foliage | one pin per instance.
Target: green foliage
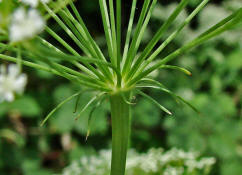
(26, 106)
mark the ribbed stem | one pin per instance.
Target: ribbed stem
(120, 112)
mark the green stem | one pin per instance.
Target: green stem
(120, 112)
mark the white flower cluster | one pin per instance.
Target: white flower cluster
(173, 162)
(34, 3)
(11, 82)
(25, 24)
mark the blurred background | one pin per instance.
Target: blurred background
(215, 89)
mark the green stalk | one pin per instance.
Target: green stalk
(121, 115)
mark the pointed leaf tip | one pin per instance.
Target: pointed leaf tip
(88, 134)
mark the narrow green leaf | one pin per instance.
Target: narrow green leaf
(70, 49)
(56, 6)
(174, 34)
(129, 31)
(157, 85)
(81, 27)
(58, 106)
(176, 68)
(217, 29)
(54, 71)
(154, 102)
(90, 102)
(77, 102)
(67, 30)
(98, 104)
(113, 31)
(78, 65)
(107, 29)
(81, 45)
(76, 32)
(134, 48)
(158, 36)
(128, 61)
(85, 60)
(119, 32)
(167, 41)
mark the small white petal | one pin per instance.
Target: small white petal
(45, 1)
(32, 3)
(13, 70)
(19, 14)
(20, 83)
(9, 97)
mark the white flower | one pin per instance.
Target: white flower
(34, 3)
(11, 82)
(25, 24)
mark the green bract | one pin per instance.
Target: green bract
(122, 71)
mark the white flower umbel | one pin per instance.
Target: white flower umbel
(34, 3)
(25, 24)
(155, 161)
(11, 82)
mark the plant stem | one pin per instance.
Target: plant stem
(121, 115)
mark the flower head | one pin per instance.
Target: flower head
(25, 24)
(11, 82)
